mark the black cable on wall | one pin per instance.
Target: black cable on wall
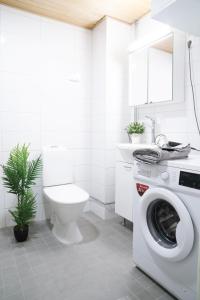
(192, 85)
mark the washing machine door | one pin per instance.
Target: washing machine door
(166, 224)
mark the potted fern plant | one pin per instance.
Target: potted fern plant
(19, 175)
(135, 131)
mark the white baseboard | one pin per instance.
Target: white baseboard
(104, 211)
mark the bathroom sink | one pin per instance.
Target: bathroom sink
(126, 150)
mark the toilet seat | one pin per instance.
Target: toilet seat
(66, 194)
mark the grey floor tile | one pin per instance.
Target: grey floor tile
(2, 293)
(99, 268)
(31, 293)
(10, 276)
(16, 296)
(155, 291)
(166, 297)
(129, 297)
(12, 289)
(134, 286)
(145, 281)
(145, 295)
(1, 278)
(136, 273)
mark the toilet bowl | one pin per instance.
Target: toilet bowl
(67, 203)
(66, 199)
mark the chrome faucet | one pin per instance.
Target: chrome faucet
(153, 125)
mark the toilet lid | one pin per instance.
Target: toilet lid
(68, 193)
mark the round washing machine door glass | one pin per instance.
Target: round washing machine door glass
(166, 224)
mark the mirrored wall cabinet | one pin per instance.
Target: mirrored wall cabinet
(157, 69)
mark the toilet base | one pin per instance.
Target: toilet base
(67, 233)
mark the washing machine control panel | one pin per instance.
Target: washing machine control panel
(191, 180)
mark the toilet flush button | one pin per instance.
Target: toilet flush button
(165, 175)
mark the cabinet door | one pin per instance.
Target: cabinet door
(124, 190)
(138, 74)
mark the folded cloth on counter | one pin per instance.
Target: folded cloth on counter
(156, 155)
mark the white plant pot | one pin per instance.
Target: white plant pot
(136, 138)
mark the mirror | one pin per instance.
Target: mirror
(160, 70)
(156, 70)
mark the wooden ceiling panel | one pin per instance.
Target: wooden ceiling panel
(84, 13)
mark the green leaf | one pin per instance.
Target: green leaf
(25, 210)
(19, 175)
(135, 127)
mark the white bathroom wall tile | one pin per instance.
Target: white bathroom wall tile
(178, 137)
(168, 123)
(98, 106)
(2, 197)
(20, 54)
(58, 47)
(20, 121)
(191, 121)
(8, 219)
(116, 122)
(81, 124)
(54, 138)
(19, 22)
(12, 138)
(85, 185)
(23, 95)
(85, 86)
(1, 174)
(98, 175)
(10, 200)
(194, 140)
(63, 94)
(118, 106)
(83, 39)
(110, 158)
(1, 130)
(60, 120)
(39, 203)
(80, 140)
(190, 105)
(56, 121)
(98, 123)
(98, 157)
(110, 176)
(83, 105)
(110, 194)
(82, 173)
(98, 140)
(82, 156)
(114, 138)
(40, 213)
(195, 66)
(98, 192)
(2, 218)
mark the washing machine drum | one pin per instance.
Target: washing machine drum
(166, 224)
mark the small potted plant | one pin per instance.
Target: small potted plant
(135, 131)
(19, 175)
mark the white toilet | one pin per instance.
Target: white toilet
(65, 198)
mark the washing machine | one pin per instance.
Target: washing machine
(167, 224)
